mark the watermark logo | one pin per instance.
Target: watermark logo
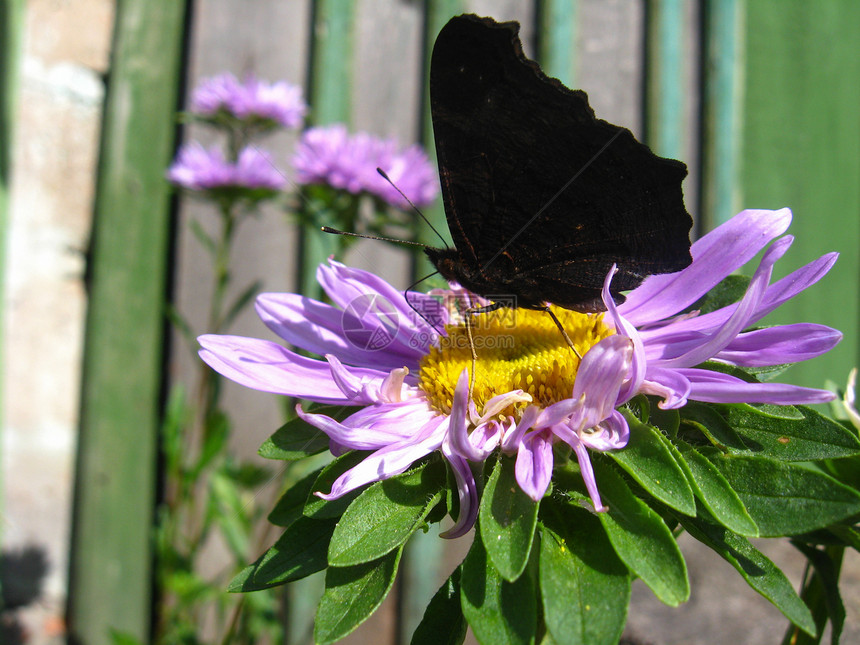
(370, 322)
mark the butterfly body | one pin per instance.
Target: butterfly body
(541, 197)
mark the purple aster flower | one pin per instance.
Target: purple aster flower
(530, 391)
(252, 100)
(330, 155)
(197, 168)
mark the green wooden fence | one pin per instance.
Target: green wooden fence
(111, 559)
(769, 109)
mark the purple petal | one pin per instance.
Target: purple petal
(715, 387)
(534, 463)
(458, 433)
(716, 255)
(344, 285)
(740, 318)
(319, 328)
(792, 284)
(373, 427)
(670, 384)
(779, 292)
(511, 440)
(600, 376)
(596, 387)
(466, 492)
(485, 437)
(639, 363)
(781, 344)
(612, 433)
(269, 367)
(388, 461)
(587, 472)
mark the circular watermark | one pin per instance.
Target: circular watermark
(370, 322)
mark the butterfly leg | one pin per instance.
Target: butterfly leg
(561, 329)
(467, 319)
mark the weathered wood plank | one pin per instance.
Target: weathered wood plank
(557, 39)
(111, 554)
(672, 86)
(800, 149)
(330, 92)
(722, 111)
(609, 62)
(11, 32)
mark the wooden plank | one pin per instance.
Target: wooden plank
(388, 60)
(722, 106)
(609, 60)
(330, 91)
(557, 38)
(11, 32)
(110, 585)
(672, 88)
(664, 103)
(800, 149)
(438, 13)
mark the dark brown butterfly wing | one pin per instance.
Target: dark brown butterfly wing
(541, 197)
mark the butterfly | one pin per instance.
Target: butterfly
(542, 197)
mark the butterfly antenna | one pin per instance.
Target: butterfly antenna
(385, 176)
(335, 231)
(415, 309)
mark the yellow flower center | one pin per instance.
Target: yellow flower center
(517, 349)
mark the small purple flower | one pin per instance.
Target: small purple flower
(252, 100)
(197, 168)
(530, 390)
(330, 155)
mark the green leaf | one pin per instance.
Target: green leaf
(182, 326)
(666, 420)
(443, 622)
(205, 240)
(584, 586)
(240, 303)
(289, 507)
(730, 290)
(351, 595)
(788, 433)
(177, 414)
(123, 638)
(705, 419)
(847, 535)
(652, 461)
(499, 612)
(228, 510)
(715, 493)
(508, 518)
(384, 516)
(300, 551)
(297, 439)
(319, 508)
(217, 432)
(758, 374)
(641, 539)
(786, 498)
(760, 573)
(821, 592)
